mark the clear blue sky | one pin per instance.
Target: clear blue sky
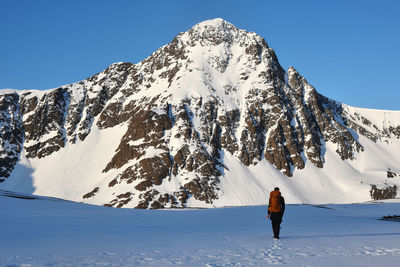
(349, 50)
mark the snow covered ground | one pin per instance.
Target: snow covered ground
(51, 232)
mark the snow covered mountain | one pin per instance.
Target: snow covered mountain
(210, 119)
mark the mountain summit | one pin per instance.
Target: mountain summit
(210, 119)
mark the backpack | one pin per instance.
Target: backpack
(274, 201)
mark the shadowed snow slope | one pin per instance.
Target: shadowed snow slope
(52, 232)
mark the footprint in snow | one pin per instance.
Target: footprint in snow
(274, 254)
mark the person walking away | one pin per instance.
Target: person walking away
(276, 208)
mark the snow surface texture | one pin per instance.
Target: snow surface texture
(217, 63)
(52, 232)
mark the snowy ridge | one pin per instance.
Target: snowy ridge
(374, 120)
(208, 120)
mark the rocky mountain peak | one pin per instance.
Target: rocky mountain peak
(217, 31)
(211, 32)
(216, 22)
(298, 82)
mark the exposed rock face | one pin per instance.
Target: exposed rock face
(391, 174)
(11, 133)
(212, 91)
(387, 192)
(44, 127)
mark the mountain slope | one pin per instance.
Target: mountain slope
(210, 119)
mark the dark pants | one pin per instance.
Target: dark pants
(276, 219)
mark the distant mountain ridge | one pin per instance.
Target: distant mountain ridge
(210, 119)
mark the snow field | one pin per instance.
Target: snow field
(52, 232)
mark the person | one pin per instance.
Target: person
(276, 208)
